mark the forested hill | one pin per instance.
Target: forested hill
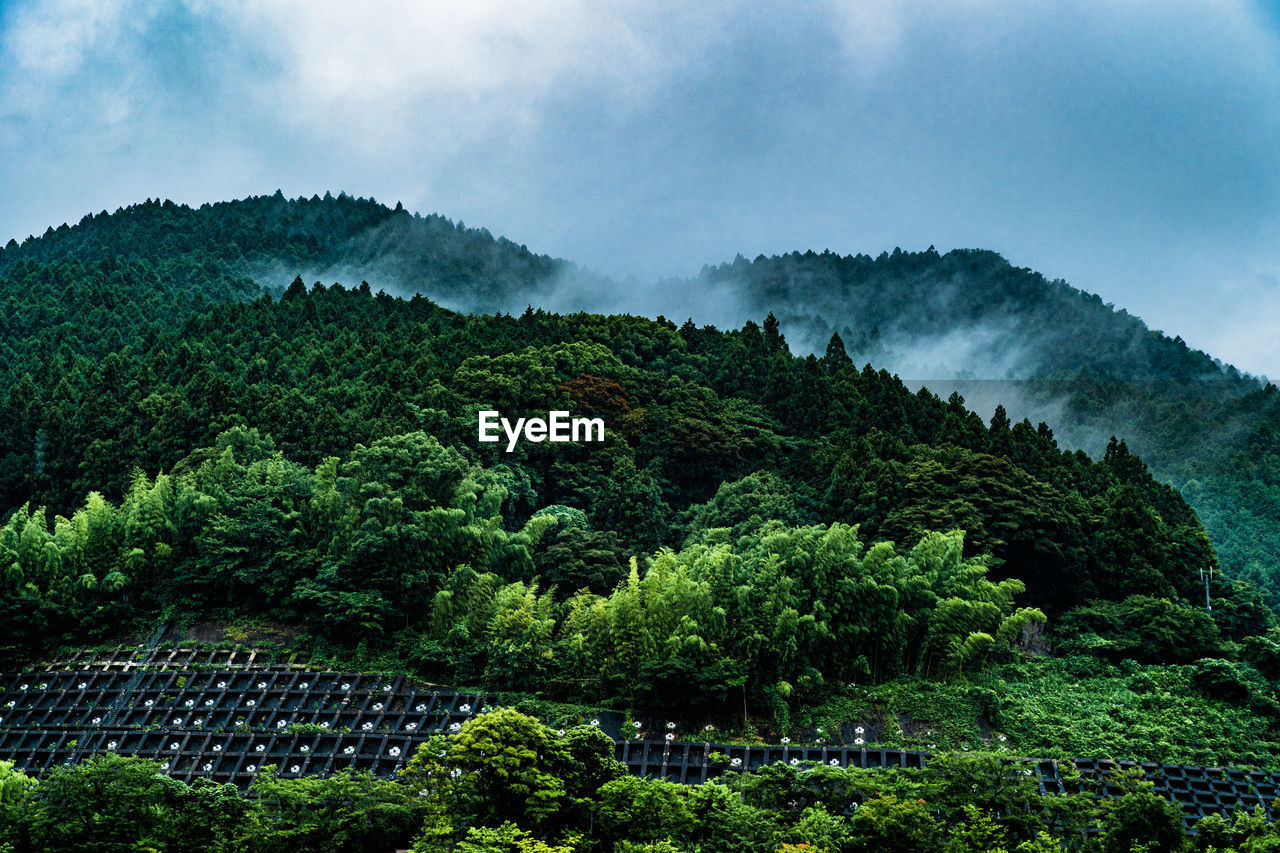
(172, 442)
(271, 239)
(967, 313)
(1063, 355)
(961, 320)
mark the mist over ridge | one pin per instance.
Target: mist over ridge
(966, 321)
(966, 314)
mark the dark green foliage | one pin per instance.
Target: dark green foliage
(886, 823)
(346, 811)
(1142, 628)
(1198, 423)
(525, 788)
(1236, 684)
(579, 558)
(745, 505)
(644, 810)
(1146, 819)
(109, 803)
(86, 291)
(115, 803)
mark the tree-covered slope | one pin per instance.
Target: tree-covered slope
(763, 525)
(1059, 354)
(965, 313)
(968, 320)
(272, 239)
(892, 309)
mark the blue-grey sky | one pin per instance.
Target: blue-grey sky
(1132, 148)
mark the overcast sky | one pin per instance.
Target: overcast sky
(1132, 148)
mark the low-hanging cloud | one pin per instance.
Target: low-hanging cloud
(1130, 148)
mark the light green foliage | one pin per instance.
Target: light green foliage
(566, 517)
(506, 763)
(507, 838)
(1042, 843)
(886, 823)
(979, 833)
(1153, 714)
(1213, 831)
(1072, 707)
(15, 786)
(710, 619)
(519, 635)
(644, 810)
(504, 767)
(822, 830)
(708, 616)
(16, 804)
(664, 846)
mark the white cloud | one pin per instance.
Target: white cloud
(1234, 314)
(450, 71)
(52, 39)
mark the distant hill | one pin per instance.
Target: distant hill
(965, 314)
(272, 239)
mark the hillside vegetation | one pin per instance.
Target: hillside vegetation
(1057, 353)
(767, 541)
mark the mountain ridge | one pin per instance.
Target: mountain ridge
(279, 238)
(1057, 353)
